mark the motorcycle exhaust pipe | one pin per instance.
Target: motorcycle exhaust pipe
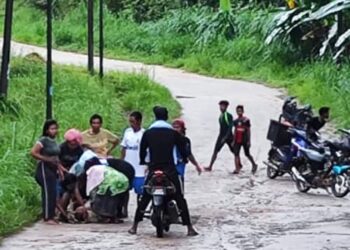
(173, 212)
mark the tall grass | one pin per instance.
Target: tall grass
(76, 97)
(172, 41)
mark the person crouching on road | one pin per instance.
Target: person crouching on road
(70, 152)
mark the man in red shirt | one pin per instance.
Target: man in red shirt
(242, 139)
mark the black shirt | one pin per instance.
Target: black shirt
(315, 124)
(122, 166)
(226, 124)
(161, 142)
(188, 150)
(69, 156)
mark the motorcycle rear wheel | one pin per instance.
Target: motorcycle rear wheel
(302, 187)
(338, 188)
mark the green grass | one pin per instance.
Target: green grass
(76, 97)
(171, 41)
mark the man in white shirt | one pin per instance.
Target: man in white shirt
(130, 153)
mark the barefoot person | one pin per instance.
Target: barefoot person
(160, 140)
(179, 126)
(242, 139)
(46, 150)
(98, 138)
(130, 153)
(70, 152)
(225, 135)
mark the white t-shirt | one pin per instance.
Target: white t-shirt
(131, 142)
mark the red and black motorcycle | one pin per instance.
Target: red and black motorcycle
(164, 210)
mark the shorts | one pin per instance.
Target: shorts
(138, 184)
(220, 142)
(180, 168)
(237, 149)
(59, 189)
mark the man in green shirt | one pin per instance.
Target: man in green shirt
(225, 135)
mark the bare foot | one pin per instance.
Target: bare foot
(192, 232)
(132, 231)
(235, 172)
(51, 222)
(208, 169)
(117, 221)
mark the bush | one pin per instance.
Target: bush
(143, 10)
(60, 8)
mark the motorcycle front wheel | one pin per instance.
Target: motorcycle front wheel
(302, 186)
(339, 188)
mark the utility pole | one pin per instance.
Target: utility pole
(340, 29)
(49, 88)
(101, 39)
(6, 48)
(90, 8)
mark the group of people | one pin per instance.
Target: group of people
(75, 174)
(236, 138)
(63, 170)
(70, 173)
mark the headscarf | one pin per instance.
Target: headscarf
(73, 135)
(180, 123)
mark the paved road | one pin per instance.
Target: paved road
(231, 212)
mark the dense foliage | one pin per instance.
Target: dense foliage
(315, 28)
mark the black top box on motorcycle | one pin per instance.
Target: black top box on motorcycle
(278, 134)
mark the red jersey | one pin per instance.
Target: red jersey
(242, 126)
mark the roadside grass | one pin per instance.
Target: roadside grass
(76, 97)
(171, 41)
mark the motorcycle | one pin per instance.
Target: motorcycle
(291, 113)
(316, 170)
(164, 210)
(283, 155)
(341, 182)
(341, 166)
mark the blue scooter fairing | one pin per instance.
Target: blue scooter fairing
(339, 169)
